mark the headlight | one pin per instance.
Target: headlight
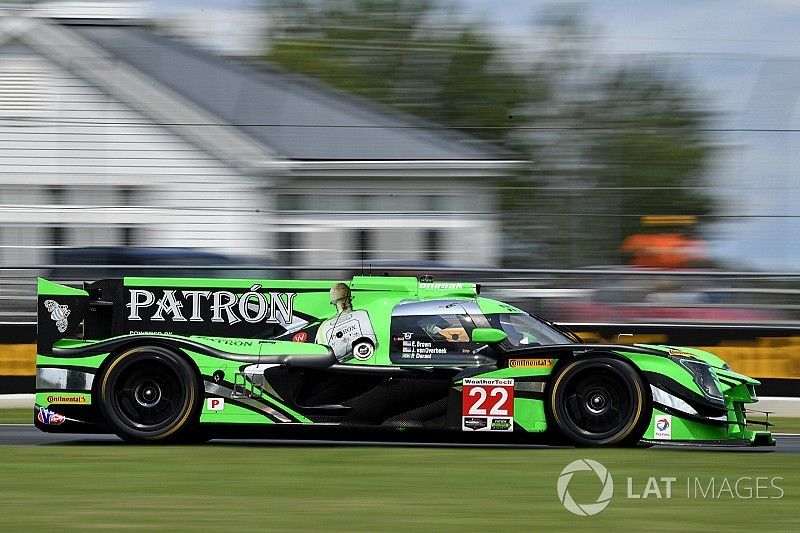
(703, 376)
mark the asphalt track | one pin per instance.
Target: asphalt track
(28, 435)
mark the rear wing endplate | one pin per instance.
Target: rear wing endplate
(61, 310)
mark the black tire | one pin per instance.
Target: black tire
(150, 394)
(600, 402)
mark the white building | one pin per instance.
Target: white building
(111, 134)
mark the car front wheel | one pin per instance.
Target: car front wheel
(600, 402)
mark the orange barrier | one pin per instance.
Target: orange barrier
(763, 357)
(17, 359)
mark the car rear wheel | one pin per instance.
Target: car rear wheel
(149, 394)
(600, 401)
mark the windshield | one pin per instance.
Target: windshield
(525, 330)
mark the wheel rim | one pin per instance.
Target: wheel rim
(597, 401)
(148, 394)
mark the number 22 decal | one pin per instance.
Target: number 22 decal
(499, 394)
(488, 397)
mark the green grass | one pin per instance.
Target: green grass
(785, 425)
(374, 488)
(16, 416)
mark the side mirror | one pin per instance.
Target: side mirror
(488, 335)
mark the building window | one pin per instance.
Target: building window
(431, 244)
(363, 244)
(128, 237)
(287, 248)
(24, 89)
(58, 234)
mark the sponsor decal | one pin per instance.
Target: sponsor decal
(363, 351)
(300, 336)
(530, 363)
(50, 418)
(475, 423)
(407, 335)
(489, 400)
(347, 331)
(502, 424)
(230, 342)
(676, 351)
(66, 398)
(508, 382)
(215, 404)
(663, 427)
(58, 313)
(252, 306)
(441, 286)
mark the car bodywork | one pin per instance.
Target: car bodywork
(388, 352)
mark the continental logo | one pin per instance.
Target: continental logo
(66, 398)
(530, 363)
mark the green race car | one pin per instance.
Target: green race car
(174, 359)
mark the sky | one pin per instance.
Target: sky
(742, 55)
(744, 58)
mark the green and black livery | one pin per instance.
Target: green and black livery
(173, 359)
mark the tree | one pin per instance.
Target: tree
(613, 143)
(390, 51)
(607, 143)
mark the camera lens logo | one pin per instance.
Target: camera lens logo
(585, 509)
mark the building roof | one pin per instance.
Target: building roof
(295, 118)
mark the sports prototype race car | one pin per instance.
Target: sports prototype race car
(174, 359)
